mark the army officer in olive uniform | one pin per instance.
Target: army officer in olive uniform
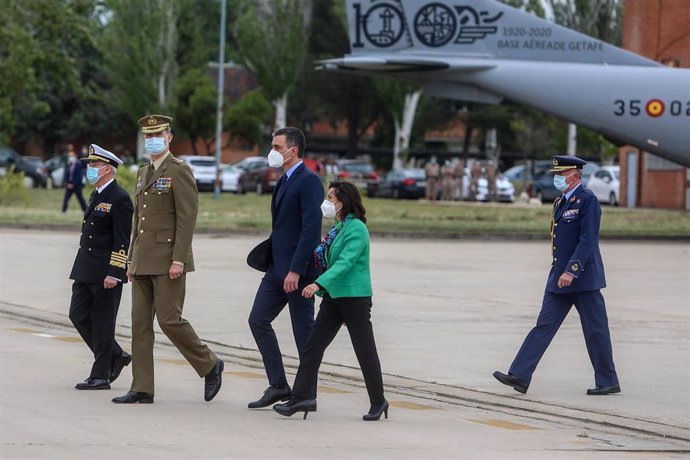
(99, 269)
(160, 256)
(576, 278)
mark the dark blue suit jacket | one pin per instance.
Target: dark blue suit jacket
(575, 243)
(296, 230)
(77, 177)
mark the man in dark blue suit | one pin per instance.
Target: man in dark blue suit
(296, 231)
(74, 177)
(576, 278)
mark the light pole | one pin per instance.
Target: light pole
(221, 87)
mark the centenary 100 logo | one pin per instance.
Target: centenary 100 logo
(435, 24)
(381, 25)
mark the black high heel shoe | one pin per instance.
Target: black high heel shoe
(296, 405)
(376, 411)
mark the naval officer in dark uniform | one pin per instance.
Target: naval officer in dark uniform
(576, 278)
(99, 269)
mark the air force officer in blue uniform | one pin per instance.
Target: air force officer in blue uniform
(576, 278)
(296, 231)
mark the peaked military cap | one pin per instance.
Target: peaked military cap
(566, 162)
(97, 153)
(154, 123)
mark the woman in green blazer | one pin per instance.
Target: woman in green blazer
(346, 289)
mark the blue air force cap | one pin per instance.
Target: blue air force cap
(97, 153)
(566, 162)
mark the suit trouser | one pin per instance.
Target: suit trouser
(68, 194)
(355, 313)
(159, 296)
(595, 327)
(93, 311)
(269, 302)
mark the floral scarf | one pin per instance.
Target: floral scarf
(322, 249)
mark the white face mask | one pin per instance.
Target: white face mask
(275, 159)
(328, 209)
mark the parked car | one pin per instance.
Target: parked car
(230, 176)
(547, 192)
(35, 171)
(204, 170)
(399, 183)
(517, 173)
(359, 172)
(257, 175)
(505, 190)
(605, 184)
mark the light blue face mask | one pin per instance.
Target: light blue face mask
(92, 174)
(560, 183)
(154, 145)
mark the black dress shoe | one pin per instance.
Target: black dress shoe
(375, 412)
(598, 391)
(93, 383)
(296, 405)
(512, 381)
(133, 397)
(214, 380)
(271, 396)
(120, 363)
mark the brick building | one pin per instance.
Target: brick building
(659, 30)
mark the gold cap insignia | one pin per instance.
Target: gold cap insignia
(90, 149)
(555, 162)
(150, 124)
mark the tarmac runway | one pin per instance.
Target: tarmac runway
(446, 315)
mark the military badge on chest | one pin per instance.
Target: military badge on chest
(162, 185)
(571, 214)
(103, 207)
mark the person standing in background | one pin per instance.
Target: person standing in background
(74, 179)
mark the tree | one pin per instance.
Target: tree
(196, 108)
(401, 99)
(50, 82)
(246, 118)
(139, 47)
(271, 41)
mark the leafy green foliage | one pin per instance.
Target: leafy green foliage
(195, 114)
(13, 192)
(271, 41)
(246, 117)
(139, 46)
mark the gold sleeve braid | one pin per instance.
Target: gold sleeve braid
(119, 258)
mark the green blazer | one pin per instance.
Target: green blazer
(348, 273)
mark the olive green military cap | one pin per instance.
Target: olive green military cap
(154, 123)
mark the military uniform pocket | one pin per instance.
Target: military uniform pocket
(165, 237)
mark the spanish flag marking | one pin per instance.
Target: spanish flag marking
(655, 108)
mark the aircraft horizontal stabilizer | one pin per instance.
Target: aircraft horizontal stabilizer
(461, 92)
(399, 64)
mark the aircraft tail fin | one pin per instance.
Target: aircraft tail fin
(473, 28)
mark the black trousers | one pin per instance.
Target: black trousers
(355, 313)
(68, 194)
(93, 311)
